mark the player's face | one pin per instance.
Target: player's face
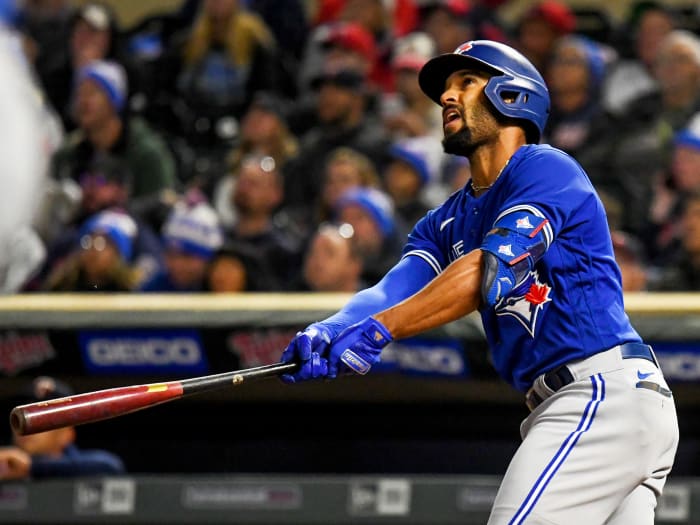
(467, 119)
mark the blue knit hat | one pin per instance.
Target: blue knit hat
(118, 226)
(193, 228)
(111, 77)
(375, 202)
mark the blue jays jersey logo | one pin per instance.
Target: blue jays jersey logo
(526, 302)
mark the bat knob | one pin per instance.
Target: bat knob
(18, 421)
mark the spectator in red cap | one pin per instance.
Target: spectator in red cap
(540, 27)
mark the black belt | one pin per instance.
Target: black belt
(562, 376)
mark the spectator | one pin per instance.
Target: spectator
(256, 197)
(447, 23)
(264, 131)
(345, 169)
(332, 262)
(577, 120)
(239, 268)
(378, 235)
(540, 27)
(680, 179)
(93, 34)
(53, 454)
(407, 174)
(214, 67)
(638, 145)
(406, 111)
(682, 274)
(632, 75)
(107, 130)
(343, 120)
(191, 235)
(100, 260)
(677, 70)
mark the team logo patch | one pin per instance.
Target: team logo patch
(506, 249)
(526, 302)
(524, 223)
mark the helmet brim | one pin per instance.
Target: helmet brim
(434, 74)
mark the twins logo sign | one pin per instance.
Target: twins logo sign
(526, 302)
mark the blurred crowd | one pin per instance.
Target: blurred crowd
(285, 145)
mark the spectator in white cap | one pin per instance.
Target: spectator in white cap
(107, 129)
(192, 235)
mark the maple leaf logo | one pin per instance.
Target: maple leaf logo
(537, 294)
(526, 302)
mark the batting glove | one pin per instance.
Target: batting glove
(358, 347)
(306, 348)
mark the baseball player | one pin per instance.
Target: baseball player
(526, 243)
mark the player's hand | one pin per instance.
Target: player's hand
(358, 347)
(307, 348)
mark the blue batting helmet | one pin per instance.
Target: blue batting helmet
(515, 80)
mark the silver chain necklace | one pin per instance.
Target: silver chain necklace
(488, 186)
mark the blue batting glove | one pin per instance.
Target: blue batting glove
(358, 347)
(306, 348)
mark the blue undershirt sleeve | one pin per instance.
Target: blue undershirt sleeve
(407, 277)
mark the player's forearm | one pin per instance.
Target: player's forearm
(453, 294)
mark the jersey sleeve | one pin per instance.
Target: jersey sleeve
(423, 242)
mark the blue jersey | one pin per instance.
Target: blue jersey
(570, 306)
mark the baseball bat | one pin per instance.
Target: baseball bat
(94, 406)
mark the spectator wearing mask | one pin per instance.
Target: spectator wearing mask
(54, 454)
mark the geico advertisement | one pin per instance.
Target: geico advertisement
(142, 351)
(423, 356)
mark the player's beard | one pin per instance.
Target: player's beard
(467, 139)
(459, 143)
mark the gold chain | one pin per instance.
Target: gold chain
(488, 186)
